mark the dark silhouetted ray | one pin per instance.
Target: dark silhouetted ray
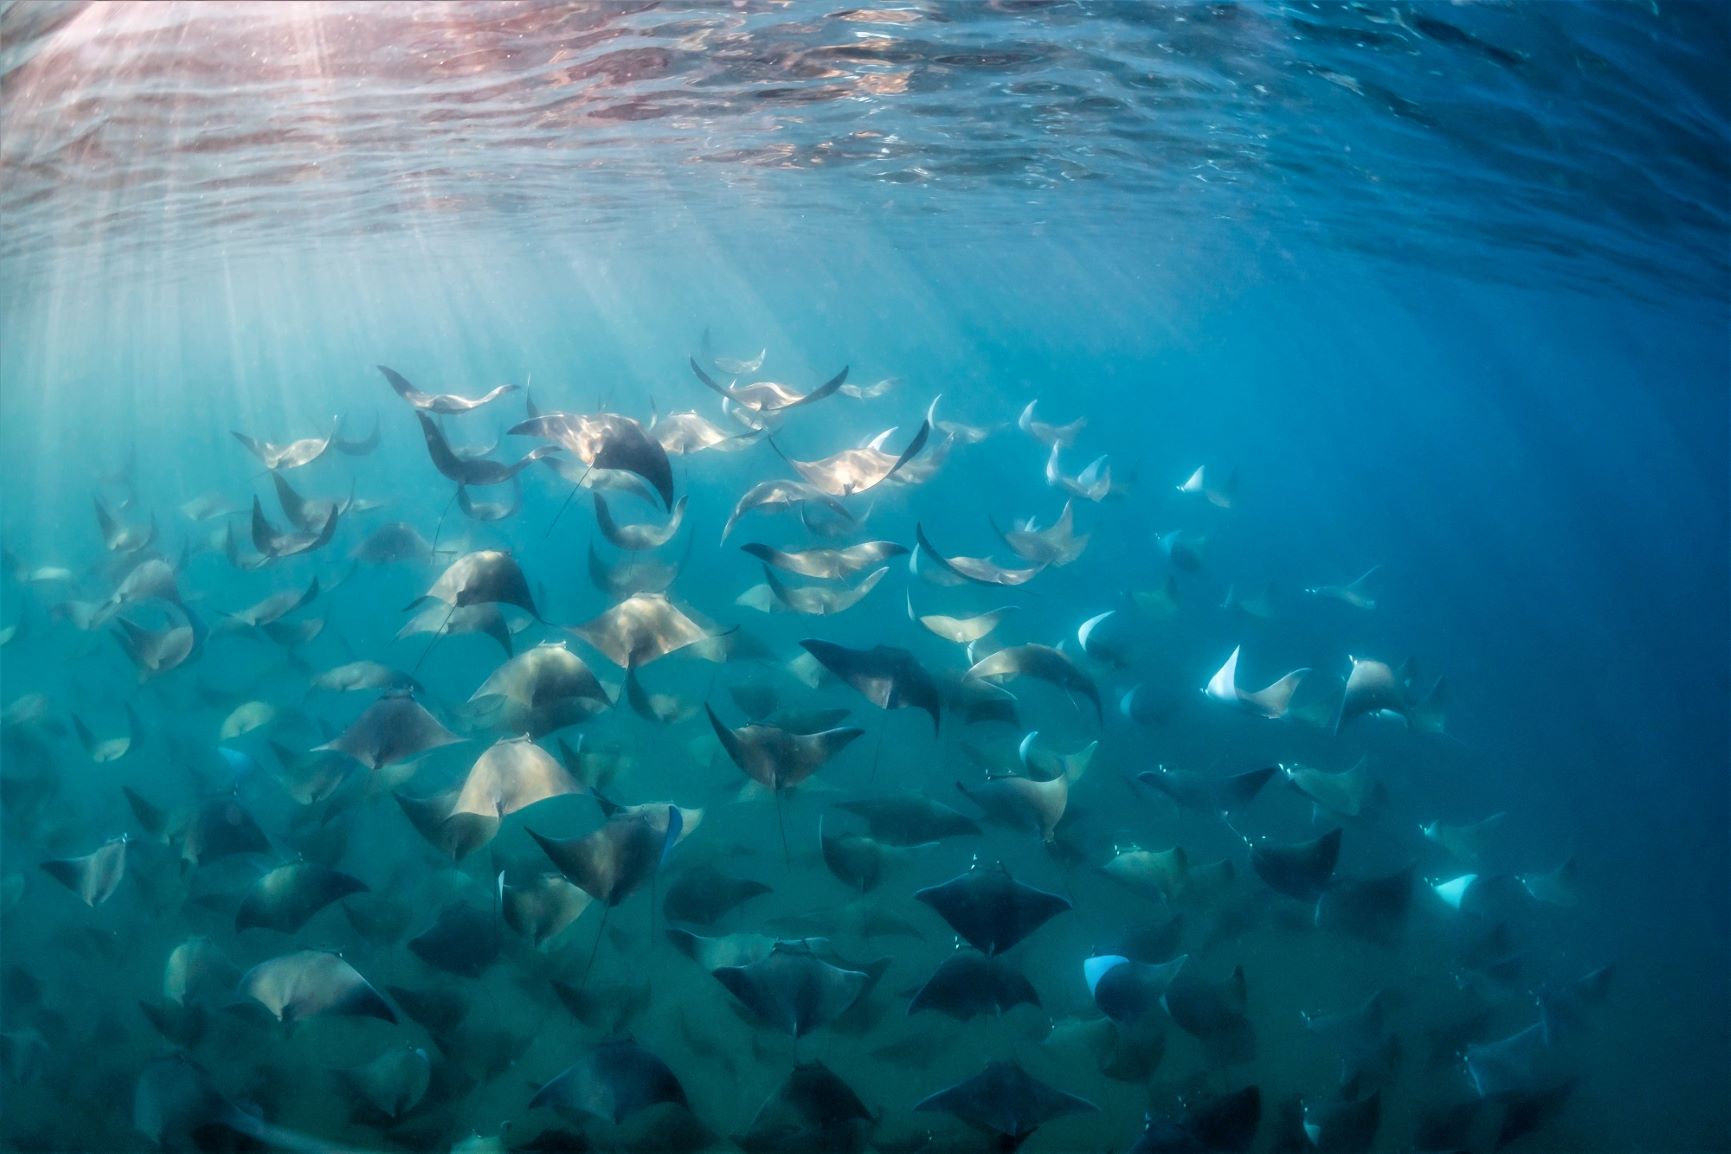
(813, 1110)
(779, 759)
(792, 989)
(306, 515)
(1371, 908)
(977, 702)
(1516, 1064)
(220, 828)
(310, 777)
(1564, 1009)
(1225, 1122)
(1467, 841)
(286, 897)
(1205, 792)
(702, 894)
(463, 941)
(275, 544)
(439, 1011)
(1300, 870)
(1347, 793)
(613, 1081)
(856, 860)
(1344, 1124)
(888, 677)
(1214, 1013)
(619, 858)
(473, 471)
(1005, 1100)
(966, 985)
(392, 544)
(908, 819)
(391, 1084)
(177, 1106)
(990, 909)
(1523, 1113)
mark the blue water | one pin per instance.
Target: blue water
(1446, 285)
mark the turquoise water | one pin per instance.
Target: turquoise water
(1443, 287)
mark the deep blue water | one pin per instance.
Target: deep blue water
(1454, 303)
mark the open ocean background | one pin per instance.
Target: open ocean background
(1447, 284)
